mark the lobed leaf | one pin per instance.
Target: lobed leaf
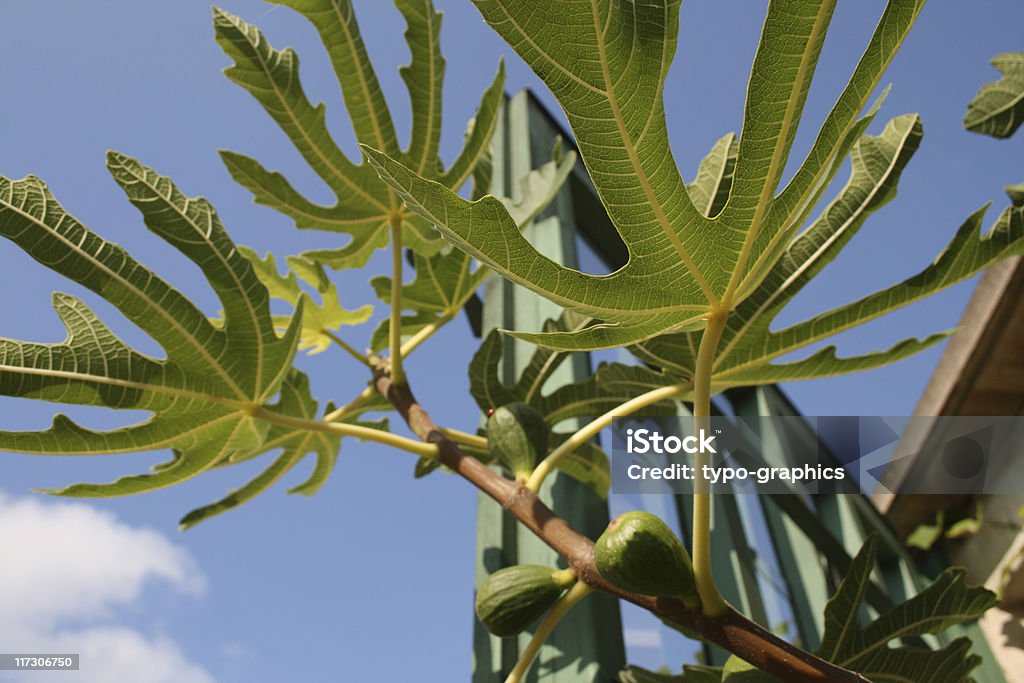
(1016, 194)
(589, 397)
(364, 207)
(424, 78)
(692, 249)
(209, 397)
(319, 321)
(606, 390)
(442, 286)
(865, 649)
(588, 464)
(998, 108)
(295, 445)
(749, 346)
(710, 190)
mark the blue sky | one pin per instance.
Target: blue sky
(371, 576)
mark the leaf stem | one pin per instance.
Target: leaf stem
(361, 357)
(464, 438)
(424, 334)
(712, 603)
(425, 450)
(395, 331)
(344, 410)
(548, 465)
(579, 591)
(406, 349)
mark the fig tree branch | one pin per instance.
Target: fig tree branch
(730, 629)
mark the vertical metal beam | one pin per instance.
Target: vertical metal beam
(798, 557)
(587, 646)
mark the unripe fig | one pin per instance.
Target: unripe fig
(639, 553)
(511, 599)
(518, 437)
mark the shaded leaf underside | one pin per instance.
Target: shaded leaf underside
(998, 108)
(946, 602)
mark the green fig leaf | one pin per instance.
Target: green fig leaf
(211, 399)
(364, 208)
(946, 602)
(749, 346)
(587, 398)
(685, 260)
(294, 446)
(588, 464)
(319, 321)
(998, 108)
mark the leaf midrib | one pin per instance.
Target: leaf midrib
(775, 165)
(469, 164)
(162, 443)
(309, 141)
(545, 368)
(634, 160)
(205, 235)
(360, 76)
(344, 224)
(124, 384)
(432, 104)
(1014, 101)
(365, 87)
(619, 314)
(171, 320)
(543, 53)
(851, 618)
(1010, 105)
(909, 628)
(755, 317)
(717, 184)
(604, 477)
(804, 203)
(915, 624)
(831, 331)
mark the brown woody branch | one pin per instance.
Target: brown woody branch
(732, 631)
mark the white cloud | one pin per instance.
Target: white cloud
(65, 571)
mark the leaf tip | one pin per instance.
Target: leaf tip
(222, 17)
(48, 492)
(115, 158)
(193, 518)
(372, 154)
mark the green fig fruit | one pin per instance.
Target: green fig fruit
(639, 553)
(511, 599)
(518, 437)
